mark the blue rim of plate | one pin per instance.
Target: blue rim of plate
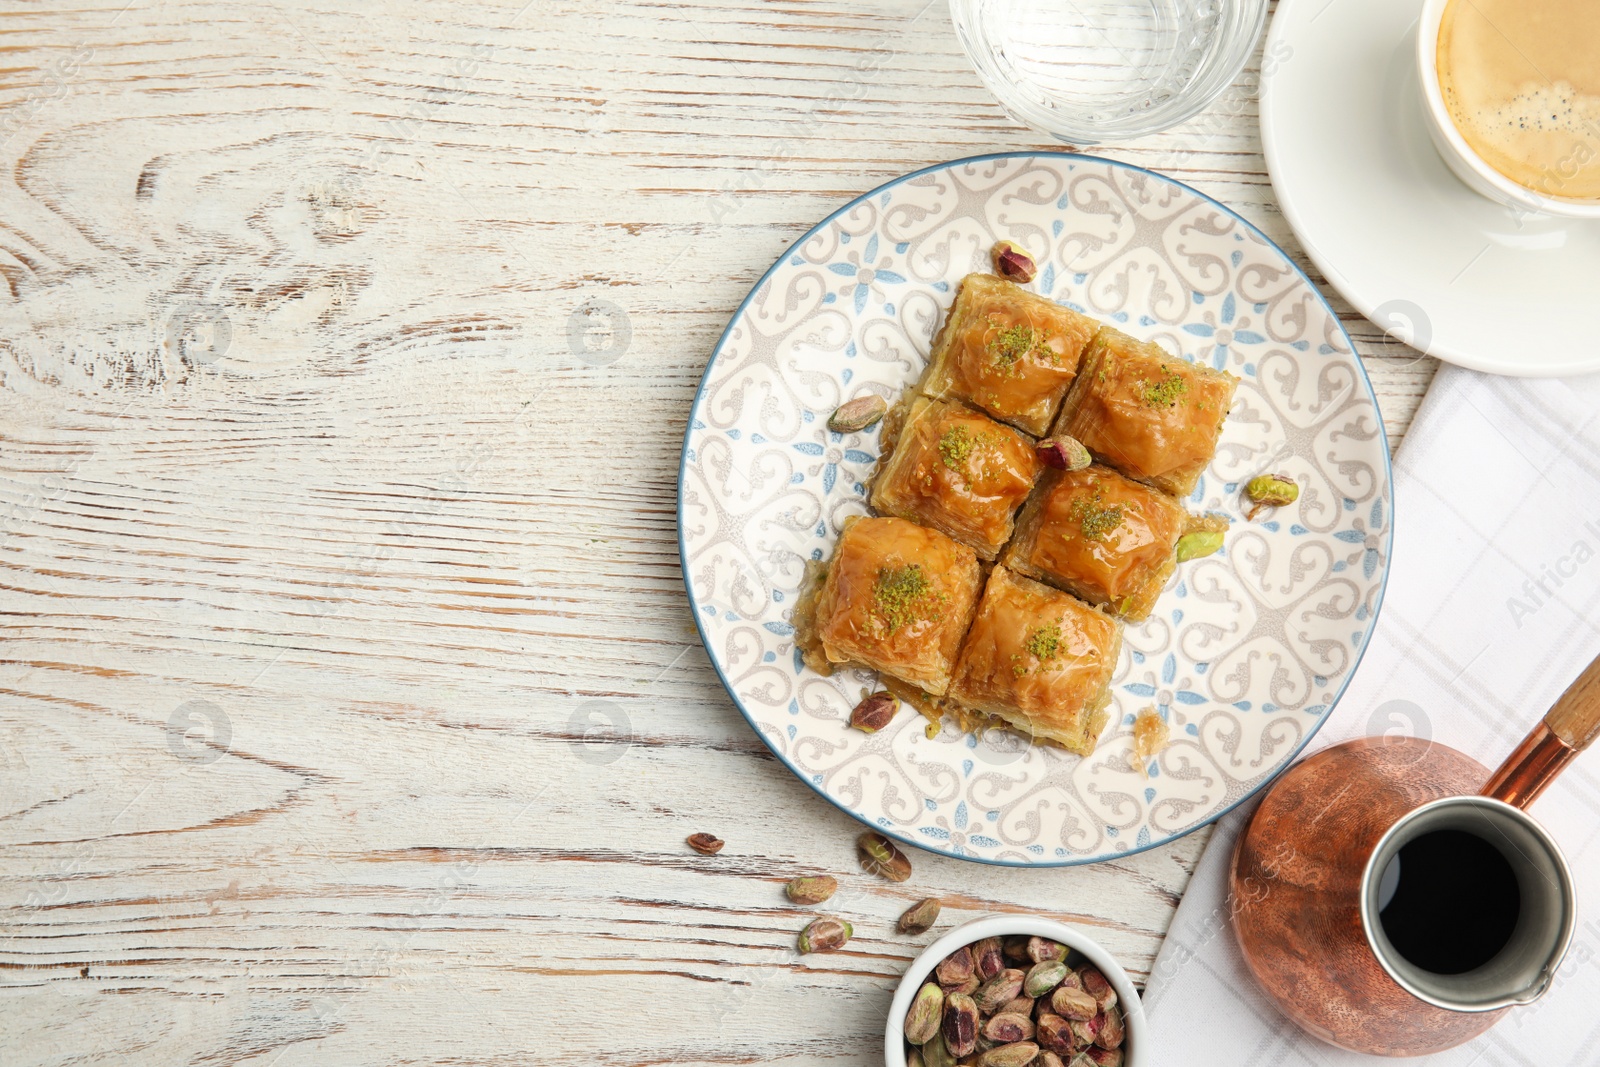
(699, 395)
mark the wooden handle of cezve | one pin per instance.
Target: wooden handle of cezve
(1575, 718)
(1568, 728)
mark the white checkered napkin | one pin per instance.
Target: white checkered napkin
(1493, 607)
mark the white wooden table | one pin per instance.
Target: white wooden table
(345, 362)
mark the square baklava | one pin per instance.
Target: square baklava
(1152, 415)
(958, 471)
(1039, 659)
(1010, 352)
(896, 597)
(1102, 537)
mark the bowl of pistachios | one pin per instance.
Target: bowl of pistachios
(1015, 991)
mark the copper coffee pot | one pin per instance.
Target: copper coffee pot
(1307, 874)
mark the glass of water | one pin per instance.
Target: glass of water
(1090, 71)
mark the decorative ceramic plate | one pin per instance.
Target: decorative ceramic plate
(1246, 652)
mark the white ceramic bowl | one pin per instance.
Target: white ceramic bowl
(1453, 148)
(1135, 1050)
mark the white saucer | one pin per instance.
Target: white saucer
(1390, 226)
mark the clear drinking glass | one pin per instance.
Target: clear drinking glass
(1089, 71)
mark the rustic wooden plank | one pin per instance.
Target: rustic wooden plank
(326, 542)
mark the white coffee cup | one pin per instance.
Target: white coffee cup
(1479, 176)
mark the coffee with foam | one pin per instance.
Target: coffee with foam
(1521, 80)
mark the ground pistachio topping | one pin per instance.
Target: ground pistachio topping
(955, 446)
(1164, 393)
(904, 595)
(1095, 519)
(1013, 342)
(1043, 644)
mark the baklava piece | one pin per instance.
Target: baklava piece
(1039, 659)
(895, 598)
(1102, 537)
(1153, 416)
(1008, 351)
(959, 472)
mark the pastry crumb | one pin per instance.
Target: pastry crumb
(1150, 736)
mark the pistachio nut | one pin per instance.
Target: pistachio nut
(1043, 977)
(1110, 1032)
(1007, 1027)
(1010, 261)
(1017, 1054)
(1197, 543)
(879, 856)
(987, 957)
(954, 968)
(1073, 1004)
(1042, 948)
(920, 917)
(1015, 948)
(1095, 984)
(1018, 1006)
(1270, 491)
(1003, 987)
(874, 712)
(706, 844)
(825, 935)
(1054, 1033)
(859, 414)
(922, 1019)
(969, 987)
(1071, 981)
(1046, 1059)
(914, 1058)
(1104, 1057)
(1063, 453)
(936, 1054)
(1083, 1030)
(811, 889)
(960, 1025)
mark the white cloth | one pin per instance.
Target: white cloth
(1493, 607)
